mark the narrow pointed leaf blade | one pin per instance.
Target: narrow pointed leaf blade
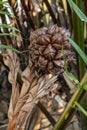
(8, 47)
(6, 13)
(9, 27)
(78, 49)
(77, 11)
(8, 34)
(3, 2)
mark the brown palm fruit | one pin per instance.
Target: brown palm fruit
(48, 47)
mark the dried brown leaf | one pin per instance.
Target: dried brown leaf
(11, 61)
(28, 77)
(34, 88)
(36, 93)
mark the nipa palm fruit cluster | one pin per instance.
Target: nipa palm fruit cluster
(48, 48)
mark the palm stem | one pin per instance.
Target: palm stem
(70, 107)
(79, 39)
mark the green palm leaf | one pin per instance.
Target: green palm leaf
(77, 11)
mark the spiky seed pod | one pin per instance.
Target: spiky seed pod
(46, 51)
